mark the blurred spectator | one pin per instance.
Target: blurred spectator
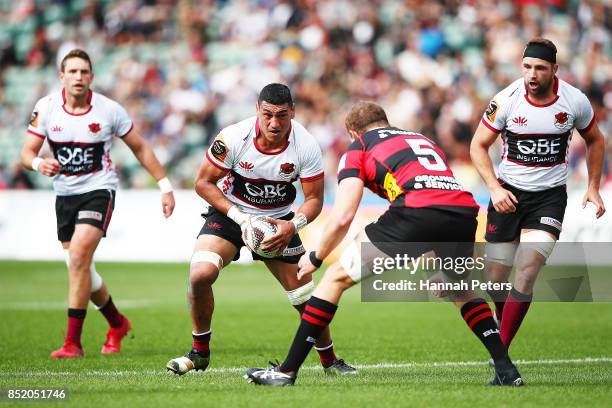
(184, 69)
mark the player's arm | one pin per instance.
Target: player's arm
(503, 200)
(206, 186)
(30, 160)
(308, 211)
(595, 158)
(147, 158)
(348, 197)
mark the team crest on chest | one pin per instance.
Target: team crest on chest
(561, 120)
(94, 128)
(287, 170)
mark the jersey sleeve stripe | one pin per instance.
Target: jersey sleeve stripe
(484, 122)
(589, 126)
(214, 163)
(129, 130)
(312, 178)
(346, 173)
(36, 134)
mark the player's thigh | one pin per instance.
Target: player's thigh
(211, 253)
(286, 274)
(358, 259)
(84, 242)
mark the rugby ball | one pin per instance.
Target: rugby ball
(258, 229)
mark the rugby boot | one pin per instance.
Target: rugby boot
(114, 336)
(190, 361)
(68, 350)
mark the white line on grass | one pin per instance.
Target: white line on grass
(98, 373)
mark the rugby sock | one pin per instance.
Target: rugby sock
(479, 318)
(110, 312)
(76, 318)
(515, 310)
(317, 315)
(326, 355)
(201, 342)
(499, 298)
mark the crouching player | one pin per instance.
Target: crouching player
(249, 170)
(387, 160)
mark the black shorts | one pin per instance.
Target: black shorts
(93, 208)
(541, 210)
(220, 225)
(448, 233)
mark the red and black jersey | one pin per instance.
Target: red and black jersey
(407, 169)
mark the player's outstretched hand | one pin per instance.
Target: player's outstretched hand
(167, 200)
(49, 167)
(592, 196)
(305, 267)
(503, 200)
(285, 230)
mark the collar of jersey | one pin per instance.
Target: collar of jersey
(555, 91)
(268, 153)
(89, 97)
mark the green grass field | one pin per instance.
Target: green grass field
(565, 348)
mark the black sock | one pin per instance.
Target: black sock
(316, 317)
(479, 318)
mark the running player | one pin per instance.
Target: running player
(427, 205)
(536, 116)
(249, 170)
(79, 126)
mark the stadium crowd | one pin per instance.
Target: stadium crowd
(184, 69)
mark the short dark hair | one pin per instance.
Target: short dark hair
(76, 53)
(364, 114)
(544, 42)
(276, 94)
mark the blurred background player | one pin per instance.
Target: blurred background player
(249, 170)
(388, 161)
(79, 125)
(536, 116)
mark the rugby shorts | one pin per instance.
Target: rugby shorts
(93, 208)
(540, 210)
(415, 231)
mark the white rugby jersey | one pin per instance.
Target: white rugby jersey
(260, 182)
(536, 137)
(81, 142)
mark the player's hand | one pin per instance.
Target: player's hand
(167, 200)
(49, 167)
(305, 267)
(592, 196)
(503, 200)
(285, 230)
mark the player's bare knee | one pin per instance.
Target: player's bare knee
(80, 260)
(203, 274)
(205, 267)
(336, 275)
